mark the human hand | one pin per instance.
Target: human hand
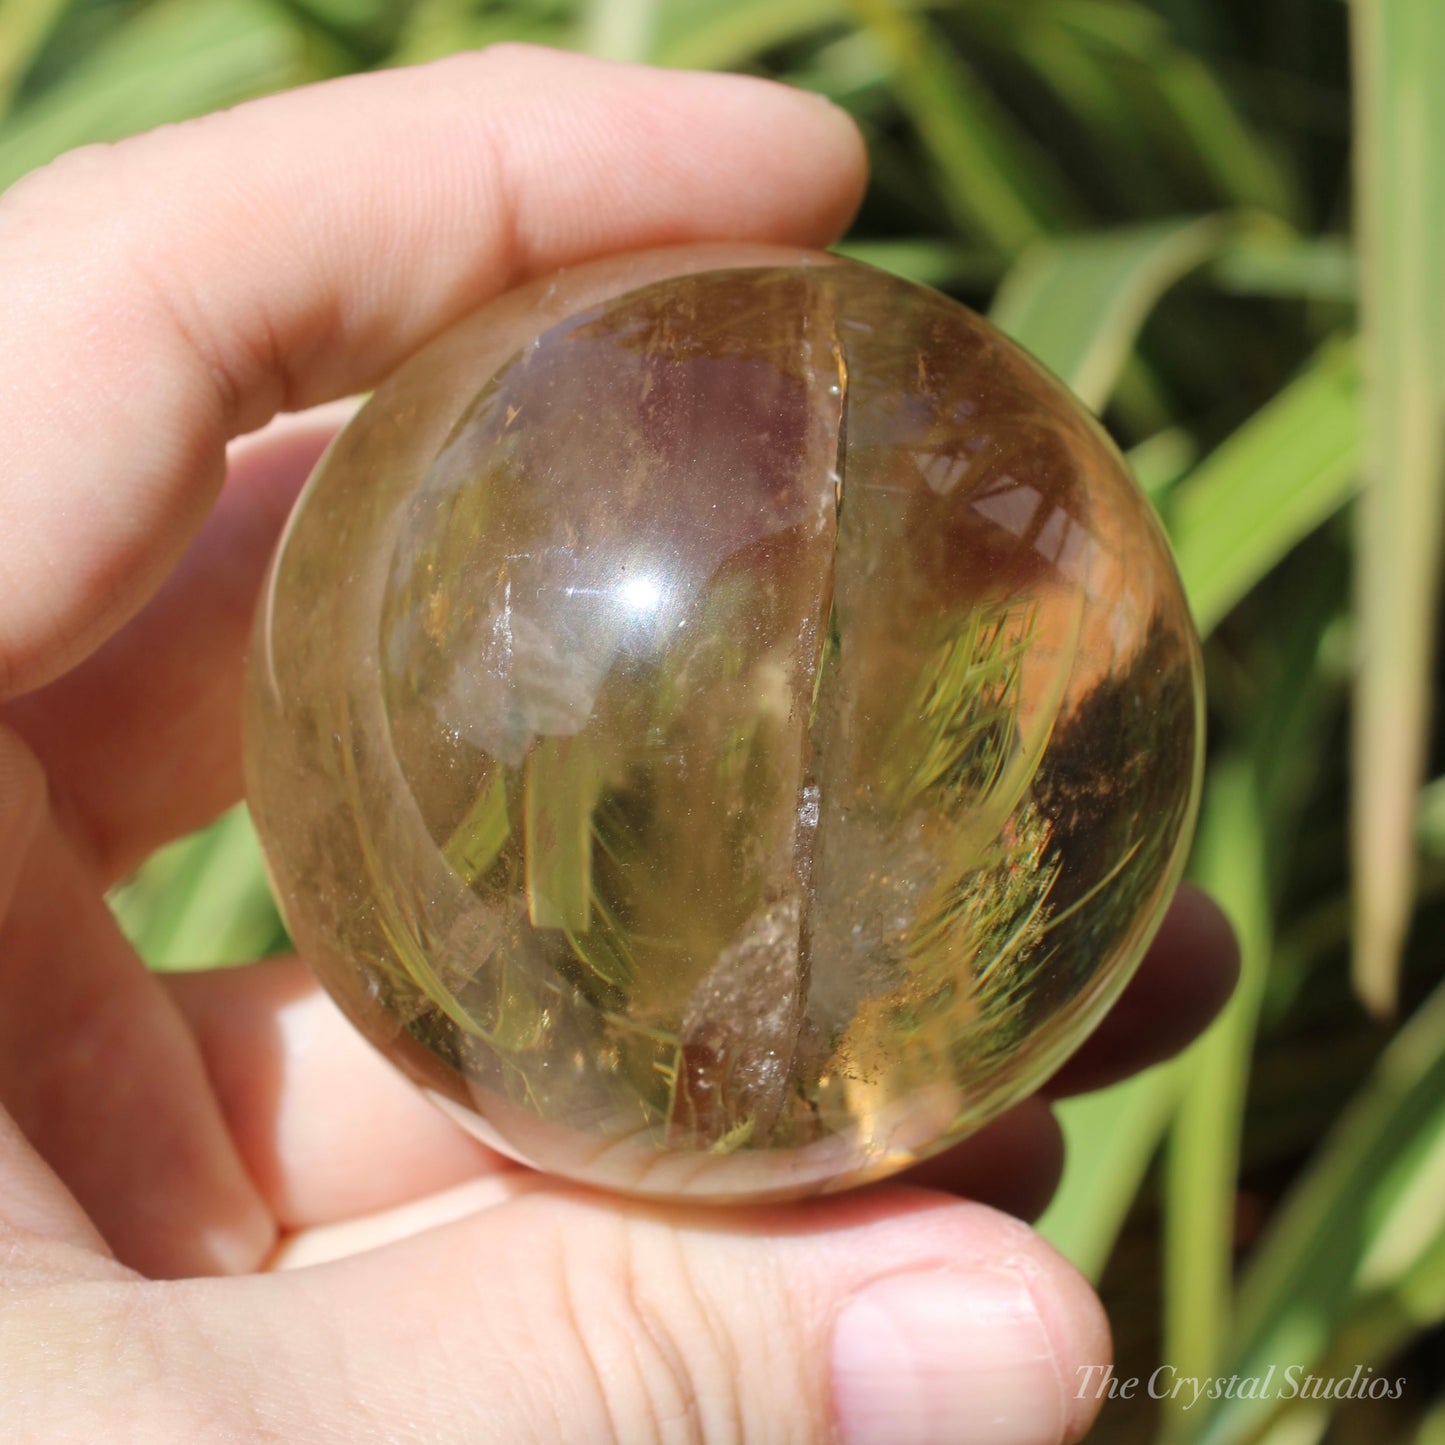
(168, 1142)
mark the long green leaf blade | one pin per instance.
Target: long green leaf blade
(620, 29)
(1079, 302)
(1110, 1139)
(1359, 1200)
(176, 60)
(1252, 500)
(1399, 48)
(1204, 1150)
(997, 184)
(729, 34)
(25, 25)
(202, 901)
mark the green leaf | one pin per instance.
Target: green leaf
(25, 26)
(1431, 1430)
(1160, 461)
(1251, 501)
(175, 60)
(1125, 70)
(1311, 268)
(202, 901)
(1430, 818)
(931, 263)
(1365, 1219)
(731, 34)
(619, 29)
(1078, 302)
(560, 789)
(1202, 1163)
(998, 185)
(1399, 54)
(482, 833)
(1236, 160)
(1110, 1138)
(435, 28)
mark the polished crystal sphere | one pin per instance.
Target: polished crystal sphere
(724, 722)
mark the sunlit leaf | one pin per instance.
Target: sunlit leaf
(619, 29)
(932, 263)
(1399, 50)
(1110, 1139)
(202, 901)
(1313, 268)
(997, 184)
(1078, 302)
(1268, 486)
(729, 34)
(1230, 859)
(175, 60)
(25, 25)
(1162, 460)
(1371, 1195)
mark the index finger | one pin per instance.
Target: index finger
(180, 288)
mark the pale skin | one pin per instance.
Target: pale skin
(221, 1216)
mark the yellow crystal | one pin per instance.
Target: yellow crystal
(724, 721)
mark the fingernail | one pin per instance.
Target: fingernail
(946, 1359)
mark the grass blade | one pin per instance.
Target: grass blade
(1367, 1215)
(1253, 499)
(1110, 1139)
(175, 60)
(619, 29)
(731, 34)
(1238, 163)
(931, 263)
(1431, 1430)
(202, 901)
(1399, 49)
(1313, 268)
(1202, 1163)
(434, 28)
(1181, 111)
(998, 185)
(1078, 303)
(25, 26)
(1161, 460)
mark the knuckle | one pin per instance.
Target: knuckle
(662, 1354)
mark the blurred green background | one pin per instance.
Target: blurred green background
(1223, 222)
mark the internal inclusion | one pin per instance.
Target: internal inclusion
(787, 1034)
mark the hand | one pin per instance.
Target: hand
(160, 297)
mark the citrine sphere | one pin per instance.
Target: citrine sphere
(724, 721)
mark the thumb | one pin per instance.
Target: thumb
(894, 1316)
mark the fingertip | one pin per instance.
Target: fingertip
(822, 141)
(973, 1328)
(785, 132)
(1079, 1333)
(1197, 923)
(780, 164)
